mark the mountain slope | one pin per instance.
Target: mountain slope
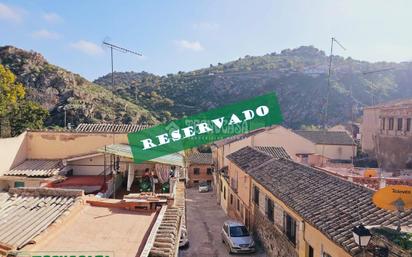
(298, 76)
(55, 88)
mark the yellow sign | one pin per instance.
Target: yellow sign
(395, 198)
(370, 173)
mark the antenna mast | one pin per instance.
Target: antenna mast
(122, 50)
(325, 112)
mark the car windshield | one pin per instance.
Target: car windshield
(238, 231)
(203, 184)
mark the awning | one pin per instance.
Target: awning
(37, 168)
(126, 151)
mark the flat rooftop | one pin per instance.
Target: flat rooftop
(100, 229)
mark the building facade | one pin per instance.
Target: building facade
(386, 134)
(200, 169)
(297, 210)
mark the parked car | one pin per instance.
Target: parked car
(184, 239)
(203, 187)
(236, 236)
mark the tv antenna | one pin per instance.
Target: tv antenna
(119, 49)
(325, 109)
(325, 117)
(122, 50)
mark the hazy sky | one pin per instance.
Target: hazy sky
(187, 35)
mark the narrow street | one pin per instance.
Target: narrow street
(204, 220)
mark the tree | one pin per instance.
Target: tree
(26, 115)
(16, 113)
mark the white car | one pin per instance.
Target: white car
(203, 187)
(236, 236)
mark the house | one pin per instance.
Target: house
(239, 182)
(386, 134)
(352, 128)
(297, 210)
(60, 220)
(301, 145)
(200, 168)
(294, 144)
(333, 145)
(92, 157)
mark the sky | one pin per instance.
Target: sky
(177, 35)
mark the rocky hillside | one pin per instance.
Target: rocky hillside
(55, 88)
(298, 76)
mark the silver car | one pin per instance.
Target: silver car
(237, 238)
(203, 187)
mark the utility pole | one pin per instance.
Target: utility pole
(122, 50)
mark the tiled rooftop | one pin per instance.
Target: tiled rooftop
(107, 128)
(201, 158)
(26, 212)
(332, 205)
(36, 168)
(274, 151)
(326, 137)
(248, 158)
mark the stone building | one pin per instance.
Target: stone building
(386, 133)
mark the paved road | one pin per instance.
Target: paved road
(204, 220)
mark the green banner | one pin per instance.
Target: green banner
(204, 128)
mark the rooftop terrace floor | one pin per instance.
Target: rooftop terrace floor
(100, 229)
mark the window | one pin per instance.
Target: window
(290, 228)
(196, 181)
(18, 184)
(221, 186)
(269, 209)
(391, 121)
(326, 255)
(256, 195)
(196, 171)
(408, 124)
(231, 199)
(224, 193)
(383, 123)
(238, 205)
(400, 124)
(209, 171)
(310, 251)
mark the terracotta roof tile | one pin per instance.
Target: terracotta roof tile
(201, 158)
(332, 205)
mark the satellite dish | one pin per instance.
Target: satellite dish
(394, 198)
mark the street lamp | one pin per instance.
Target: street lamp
(362, 236)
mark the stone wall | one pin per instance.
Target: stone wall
(273, 240)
